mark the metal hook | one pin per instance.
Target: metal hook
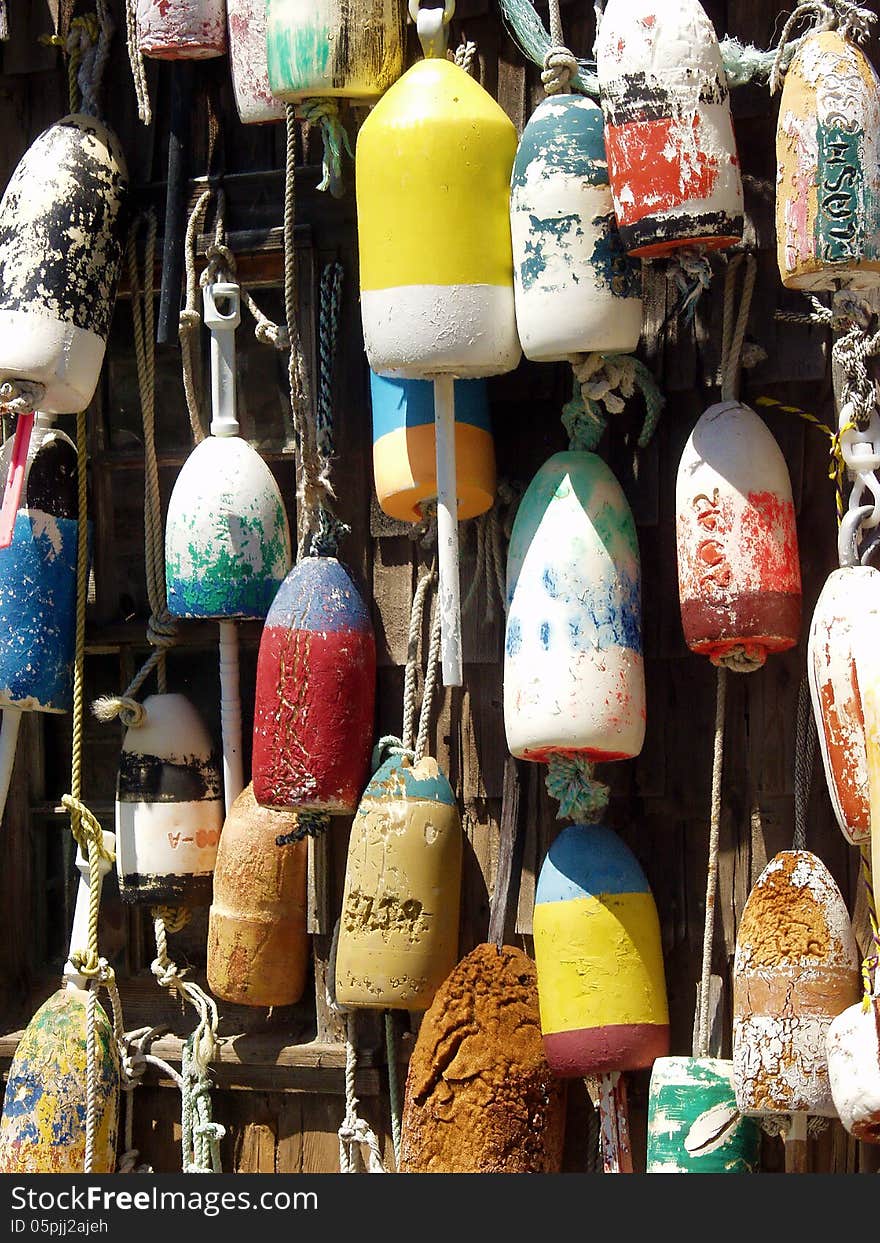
(859, 451)
(848, 535)
(432, 26)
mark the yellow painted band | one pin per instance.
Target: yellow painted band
(432, 170)
(405, 470)
(600, 962)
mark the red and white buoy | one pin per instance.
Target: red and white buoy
(246, 29)
(181, 29)
(672, 157)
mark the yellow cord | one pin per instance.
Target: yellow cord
(837, 468)
(869, 965)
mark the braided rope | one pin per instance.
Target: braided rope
(325, 112)
(569, 780)
(393, 1085)
(806, 738)
(703, 1031)
(872, 961)
(136, 61)
(608, 380)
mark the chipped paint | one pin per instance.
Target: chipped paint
(227, 539)
(334, 47)
(573, 667)
(576, 289)
(854, 1069)
(246, 30)
(672, 157)
(828, 168)
(736, 537)
(316, 685)
(43, 1128)
(796, 967)
(848, 596)
(694, 1126)
(181, 29)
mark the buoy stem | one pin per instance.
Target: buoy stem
(614, 1124)
(230, 713)
(447, 532)
(796, 1145)
(222, 315)
(8, 741)
(79, 932)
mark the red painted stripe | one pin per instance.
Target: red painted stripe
(645, 157)
(599, 1050)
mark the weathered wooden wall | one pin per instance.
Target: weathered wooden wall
(279, 1082)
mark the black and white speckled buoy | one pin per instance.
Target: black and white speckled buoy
(61, 241)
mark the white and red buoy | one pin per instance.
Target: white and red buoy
(181, 29)
(246, 31)
(738, 570)
(672, 157)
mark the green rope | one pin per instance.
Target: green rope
(571, 782)
(200, 1135)
(325, 112)
(607, 379)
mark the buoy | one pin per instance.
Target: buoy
(438, 306)
(849, 595)
(258, 947)
(43, 1127)
(694, 1126)
(405, 447)
(853, 1053)
(480, 1097)
(672, 158)
(398, 931)
(246, 31)
(227, 539)
(828, 167)
(316, 686)
(330, 48)
(796, 967)
(169, 807)
(601, 981)
(739, 576)
(573, 669)
(61, 237)
(577, 291)
(181, 29)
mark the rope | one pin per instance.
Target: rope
(560, 65)
(136, 61)
(851, 20)
(608, 380)
(88, 46)
(691, 272)
(133, 1064)
(393, 1085)
(837, 466)
(161, 626)
(734, 328)
(416, 743)
(712, 871)
(492, 532)
(325, 112)
(327, 529)
(190, 319)
(804, 758)
(570, 781)
(465, 54)
(870, 964)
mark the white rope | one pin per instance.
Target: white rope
(851, 20)
(415, 743)
(91, 1081)
(560, 63)
(170, 977)
(465, 54)
(136, 61)
(712, 869)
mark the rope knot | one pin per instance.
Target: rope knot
(109, 707)
(386, 747)
(276, 335)
(560, 66)
(325, 112)
(570, 781)
(464, 54)
(746, 658)
(166, 973)
(21, 396)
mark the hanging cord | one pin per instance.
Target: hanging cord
(325, 539)
(836, 466)
(136, 61)
(492, 531)
(465, 54)
(691, 271)
(325, 112)
(559, 65)
(161, 627)
(851, 20)
(712, 869)
(133, 1061)
(872, 961)
(806, 738)
(88, 49)
(393, 1085)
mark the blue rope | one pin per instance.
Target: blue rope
(325, 539)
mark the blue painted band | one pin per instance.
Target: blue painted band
(396, 779)
(410, 403)
(318, 594)
(587, 861)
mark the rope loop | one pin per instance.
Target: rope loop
(308, 824)
(560, 67)
(608, 380)
(570, 781)
(741, 659)
(325, 112)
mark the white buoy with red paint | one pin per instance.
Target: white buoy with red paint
(181, 29)
(736, 534)
(853, 1051)
(672, 157)
(246, 30)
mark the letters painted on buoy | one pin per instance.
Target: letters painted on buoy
(181, 29)
(246, 30)
(258, 947)
(854, 1069)
(316, 686)
(573, 667)
(849, 595)
(601, 981)
(577, 290)
(694, 1126)
(405, 447)
(43, 1128)
(436, 302)
(738, 569)
(796, 967)
(828, 167)
(398, 931)
(227, 540)
(672, 157)
(61, 240)
(169, 807)
(334, 47)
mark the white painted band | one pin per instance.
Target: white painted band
(68, 360)
(168, 839)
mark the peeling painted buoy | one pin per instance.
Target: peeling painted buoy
(405, 447)
(849, 595)
(316, 685)
(739, 575)
(601, 980)
(440, 303)
(480, 1097)
(181, 29)
(694, 1126)
(573, 668)
(672, 157)
(795, 969)
(828, 167)
(61, 238)
(320, 48)
(257, 942)
(398, 932)
(169, 807)
(853, 1054)
(246, 31)
(577, 290)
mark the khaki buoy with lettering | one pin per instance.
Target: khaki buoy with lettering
(398, 933)
(257, 942)
(828, 168)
